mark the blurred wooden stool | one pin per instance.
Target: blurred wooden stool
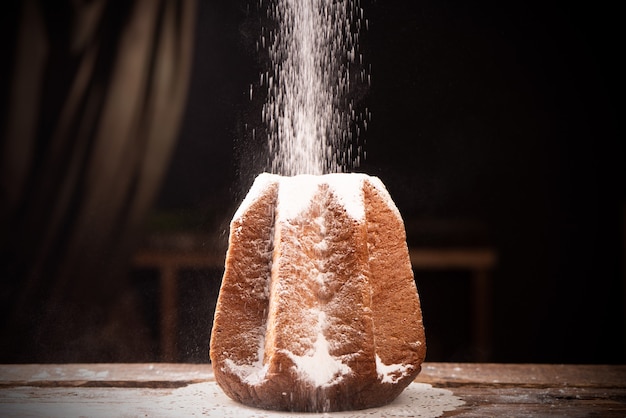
(168, 264)
(480, 262)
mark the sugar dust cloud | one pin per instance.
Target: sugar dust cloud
(313, 126)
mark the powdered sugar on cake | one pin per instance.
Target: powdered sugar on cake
(295, 196)
(295, 193)
(348, 189)
(391, 373)
(384, 194)
(254, 373)
(315, 365)
(259, 186)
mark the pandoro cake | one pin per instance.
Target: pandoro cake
(318, 309)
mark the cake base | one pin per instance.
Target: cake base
(417, 400)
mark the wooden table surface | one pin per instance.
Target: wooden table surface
(138, 390)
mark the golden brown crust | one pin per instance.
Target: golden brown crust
(243, 299)
(323, 277)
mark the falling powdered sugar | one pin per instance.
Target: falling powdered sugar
(315, 68)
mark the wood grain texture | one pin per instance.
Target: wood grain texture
(529, 390)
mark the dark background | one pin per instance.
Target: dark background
(493, 124)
